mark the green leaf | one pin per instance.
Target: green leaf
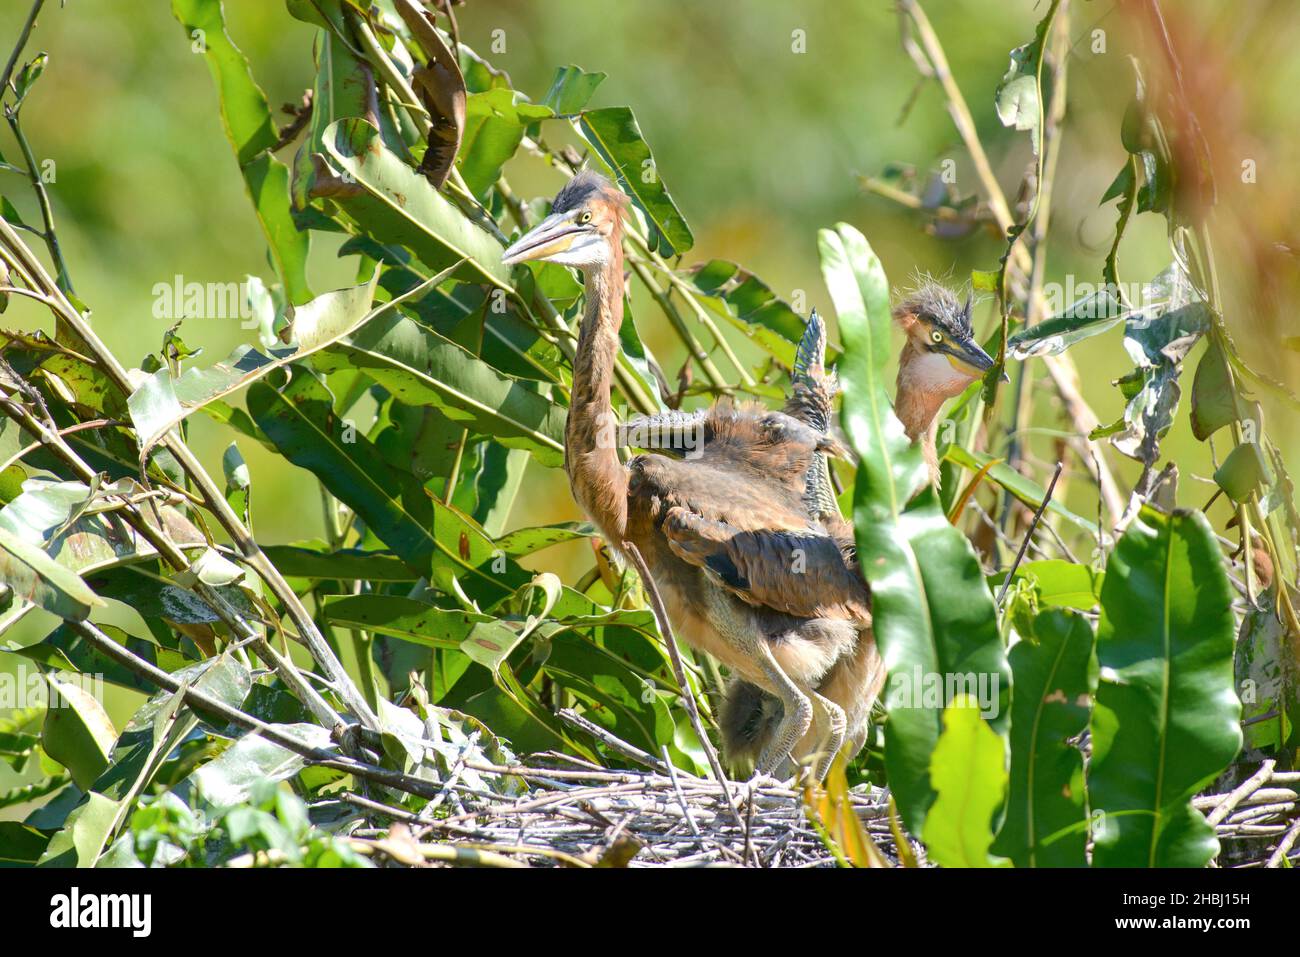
(84, 835)
(526, 541)
(497, 485)
(1090, 316)
(27, 77)
(247, 121)
(231, 778)
(1019, 96)
(1016, 98)
(1270, 697)
(406, 618)
(933, 614)
(345, 564)
(750, 305)
(1054, 675)
(156, 597)
(78, 732)
(614, 134)
(1025, 489)
(421, 367)
(1242, 472)
(300, 420)
(20, 845)
(969, 772)
(36, 577)
(394, 204)
(495, 122)
(342, 89)
(161, 402)
(1166, 719)
(571, 89)
(1062, 584)
(1214, 400)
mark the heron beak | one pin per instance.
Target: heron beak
(552, 235)
(969, 359)
(831, 446)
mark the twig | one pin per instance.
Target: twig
(1242, 791)
(1284, 846)
(1024, 546)
(392, 779)
(681, 798)
(23, 36)
(631, 752)
(213, 497)
(679, 671)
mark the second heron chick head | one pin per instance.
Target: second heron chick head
(942, 354)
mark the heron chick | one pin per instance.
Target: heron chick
(748, 572)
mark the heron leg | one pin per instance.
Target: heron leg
(795, 721)
(833, 740)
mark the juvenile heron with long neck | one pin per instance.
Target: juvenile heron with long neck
(748, 570)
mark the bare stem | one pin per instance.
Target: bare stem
(679, 671)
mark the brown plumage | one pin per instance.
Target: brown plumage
(748, 573)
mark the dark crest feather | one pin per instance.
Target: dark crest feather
(586, 184)
(932, 301)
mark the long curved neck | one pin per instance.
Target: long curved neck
(918, 409)
(596, 476)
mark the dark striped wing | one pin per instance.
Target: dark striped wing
(800, 571)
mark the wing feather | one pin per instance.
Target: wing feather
(802, 572)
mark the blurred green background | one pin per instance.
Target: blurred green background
(760, 144)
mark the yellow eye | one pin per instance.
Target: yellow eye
(936, 337)
(585, 217)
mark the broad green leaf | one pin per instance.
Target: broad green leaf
(78, 732)
(495, 122)
(83, 836)
(392, 203)
(406, 618)
(1090, 316)
(1270, 695)
(1166, 718)
(614, 134)
(20, 845)
(247, 121)
(161, 402)
(37, 578)
(934, 618)
(1053, 676)
(347, 564)
(571, 89)
(1019, 98)
(497, 485)
(1214, 402)
(154, 596)
(420, 367)
(300, 420)
(1061, 584)
(1025, 489)
(343, 88)
(231, 778)
(969, 772)
(525, 541)
(1242, 472)
(751, 306)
